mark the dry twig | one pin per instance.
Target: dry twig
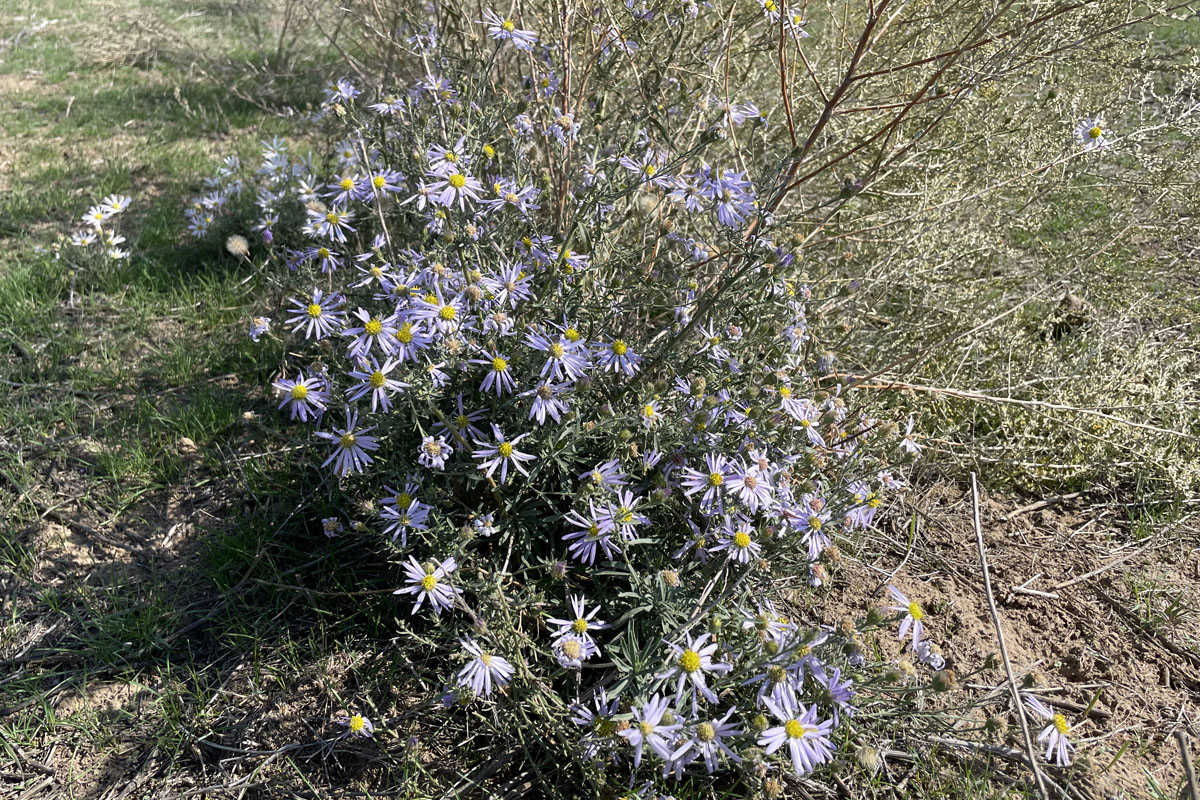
(1012, 681)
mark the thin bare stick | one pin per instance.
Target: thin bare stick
(968, 394)
(1105, 568)
(1188, 772)
(1012, 681)
(1040, 504)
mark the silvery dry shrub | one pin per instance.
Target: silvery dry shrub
(546, 302)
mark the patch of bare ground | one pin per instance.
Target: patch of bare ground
(1097, 621)
(98, 718)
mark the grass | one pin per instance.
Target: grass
(115, 419)
(163, 570)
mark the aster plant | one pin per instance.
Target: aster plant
(563, 285)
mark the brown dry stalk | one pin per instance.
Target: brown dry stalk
(1008, 671)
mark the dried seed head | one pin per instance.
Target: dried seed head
(237, 246)
(944, 680)
(867, 758)
(995, 726)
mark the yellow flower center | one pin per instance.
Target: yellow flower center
(689, 661)
(403, 500)
(508, 26)
(741, 539)
(715, 479)
(556, 350)
(428, 582)
(333, 218)
(451, 156)
(461, 421)
(579, 625)
(915, 612)
(815, 523)
(505, 449)
(646, 728)
(458, 181)
(347, 184)
(379, 181)
(1060, 724)
(620, 348)
(650, 170)
(572, 648)
(785, 391)
(299, 391)
(1095, 132)
(405, 334)
(572, 335)
(373, 327)
(378, 379)
(489, 151)
(323, 252)
(447, 313)
(357, 723)
(776, 673)
(314, 310)
(347, 440)
(648, 411)
(486, 658)
(769, 5)
(376, 273)
(499, 364)
(792, 727)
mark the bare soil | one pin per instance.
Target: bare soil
(1094, 640)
